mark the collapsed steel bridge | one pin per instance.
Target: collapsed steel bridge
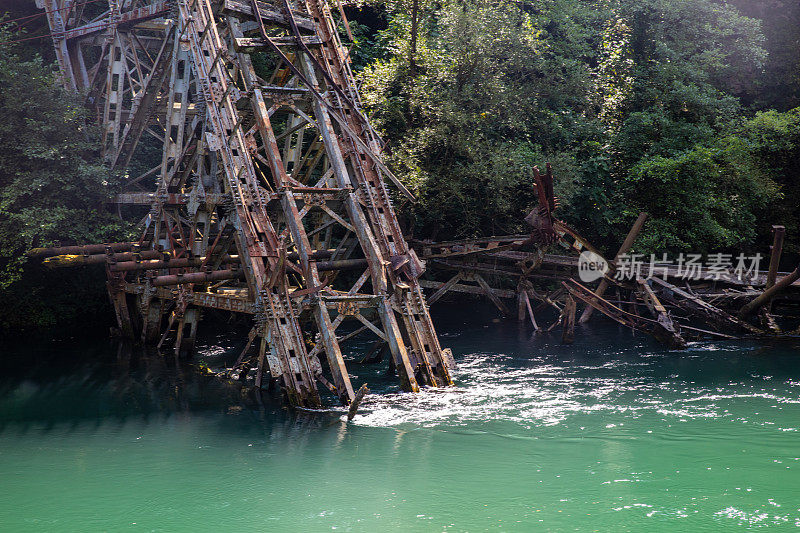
(268, 199)
(269, 196)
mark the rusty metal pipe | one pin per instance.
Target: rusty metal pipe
(62, 261)
(314, 254)
(764, 298)
(197, 277)
(779, 232)
(86, 249)
(75, 259)
(127, 266)
(342, 264)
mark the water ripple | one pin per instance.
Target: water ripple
(494, 387)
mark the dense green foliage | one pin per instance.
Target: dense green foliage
(52, 188)
(685, 109)
(639, 105)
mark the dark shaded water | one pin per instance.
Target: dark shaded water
(612, 433)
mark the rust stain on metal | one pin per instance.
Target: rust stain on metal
(240, 216)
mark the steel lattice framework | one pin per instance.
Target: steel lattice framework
(269, 197)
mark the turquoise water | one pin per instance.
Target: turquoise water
(610, 434)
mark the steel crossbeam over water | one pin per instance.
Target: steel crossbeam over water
(268, 197)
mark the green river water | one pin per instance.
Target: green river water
(610, 434)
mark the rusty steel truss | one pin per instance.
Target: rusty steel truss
(268, 197)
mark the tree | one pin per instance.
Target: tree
(773, 139)
(52, 188)
(779, 86)
(614, 93)
(676, 152)
(702, 200)
(498, 88)
(688, 61)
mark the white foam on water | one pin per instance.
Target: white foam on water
(496, 387)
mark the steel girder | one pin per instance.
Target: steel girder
(266, 157)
